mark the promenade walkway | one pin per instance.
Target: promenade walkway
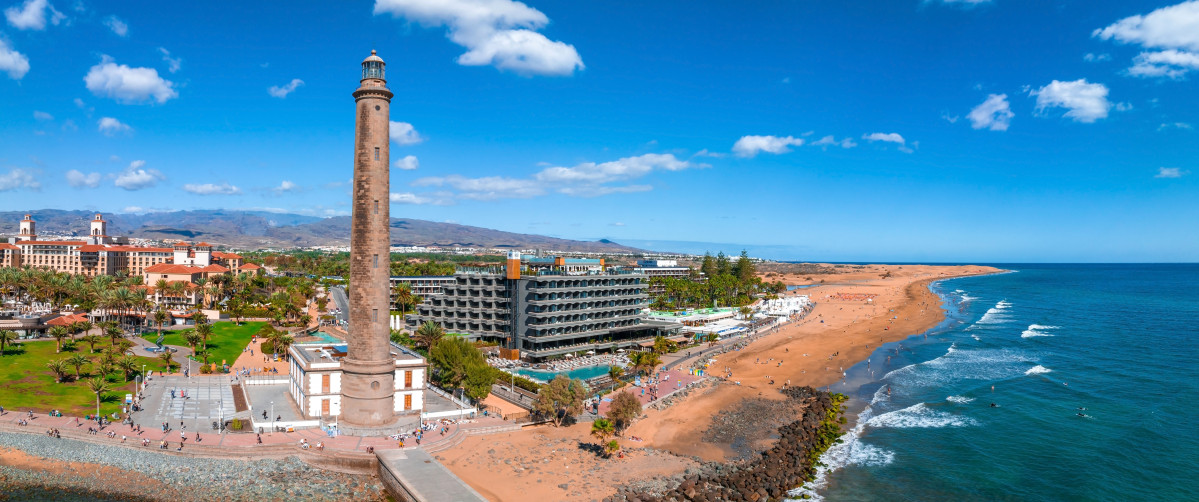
(246, 444)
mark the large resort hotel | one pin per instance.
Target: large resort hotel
(544, 307)
(101, 254)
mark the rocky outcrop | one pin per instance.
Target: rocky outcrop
(786, 465)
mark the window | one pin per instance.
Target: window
(376, 153)
(374, 314)
(376, 206)
(375, 262)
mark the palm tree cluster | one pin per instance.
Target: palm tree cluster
(124, 298)
(725, 283)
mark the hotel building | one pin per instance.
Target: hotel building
(546, 306)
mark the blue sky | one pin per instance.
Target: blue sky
(911, 130)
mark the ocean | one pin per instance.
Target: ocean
(1040, 344)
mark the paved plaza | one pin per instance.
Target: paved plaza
(198, 401)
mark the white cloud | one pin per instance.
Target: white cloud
(415, 199)
(136, 177)
(890, 137)
(173, 64)
(1168, 63)
(1085, 101)
(110, 126)
(995, 113)
(282, 92)
(618, 224)
(404, 134)
(749, 146)
(486, 188)
(1096, 58)
(408, 163)
(18, 178)
(78, 179)
(128, 85)
(38, 115)
(32, 15)
(1170, 172)
(590, 173)
(952, 119)
(501, 33)
(286, 186)
(1173, 27)
(831, 141)
(1175, 125)
(117, 26)
(12, 62)
(211, 189)
(588, 179)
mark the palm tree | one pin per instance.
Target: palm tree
(91, 340)
(128, 365)
(105, 367)
(160, 318)
(6, 336)
(80, 327)
(615, 372)
(166, 359)
(98, 386)
(660, 344)
(192, 338)
(59, 367)
(645, 362)
(428, 334)
(58, 332)
(602, 429)
(403, 296)
(280, 341)
(205, 331)
(113, 331)
(78, 361)
(712, 338)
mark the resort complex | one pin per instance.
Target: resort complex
(544, 307)
(101, 254)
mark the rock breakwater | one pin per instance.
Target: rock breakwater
(786, 465)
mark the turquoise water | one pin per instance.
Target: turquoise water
(580, 373)
(1118, 340)
(327, 337)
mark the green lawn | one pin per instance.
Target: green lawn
(27, 383)
(225, 344)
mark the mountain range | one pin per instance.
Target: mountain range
(245, 229)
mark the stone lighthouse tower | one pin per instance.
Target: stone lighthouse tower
(368, 378)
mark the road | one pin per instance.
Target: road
(343, 302)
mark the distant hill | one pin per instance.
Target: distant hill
(260, 229)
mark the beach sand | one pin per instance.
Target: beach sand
(902, 305)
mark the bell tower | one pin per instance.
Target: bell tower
(28, 231)
(368, 370)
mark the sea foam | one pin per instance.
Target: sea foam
(959, 399)
(1037, 370)
(996, 314)
(919, 416)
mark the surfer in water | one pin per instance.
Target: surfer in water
(993, 405)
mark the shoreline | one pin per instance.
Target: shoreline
(841, 331)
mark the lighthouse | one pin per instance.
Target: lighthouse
(368, 379)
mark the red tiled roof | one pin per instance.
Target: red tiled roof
(218, 254)
(214, 268)
(250, 266)
(60, 243)
(204, 244)
(6, 245)
(91, 248)
(67, 320)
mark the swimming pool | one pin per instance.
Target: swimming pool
(327, 337)
(580, 373)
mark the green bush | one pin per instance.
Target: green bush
(235, 424)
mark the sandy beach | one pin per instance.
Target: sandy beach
(857, 309)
